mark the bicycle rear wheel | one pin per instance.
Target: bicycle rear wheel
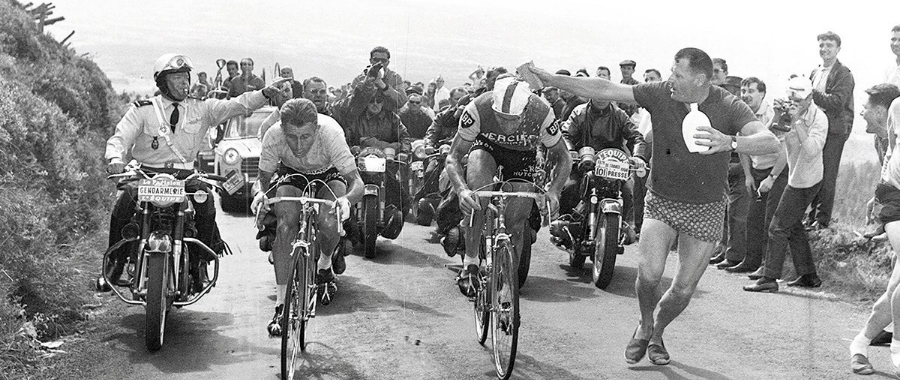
(504, 309)
(296, 312)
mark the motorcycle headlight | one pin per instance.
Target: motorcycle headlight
(159, 242)
(201, 196)
(232, 156)
(420, 152)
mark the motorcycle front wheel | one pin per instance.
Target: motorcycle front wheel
(370, 225)
(157, 300)
(606, 247)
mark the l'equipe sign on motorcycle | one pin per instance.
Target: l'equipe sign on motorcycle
(161, 190)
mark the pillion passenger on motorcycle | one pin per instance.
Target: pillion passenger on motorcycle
(600, 124)
(164, 134)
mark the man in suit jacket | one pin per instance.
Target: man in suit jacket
(833, 93)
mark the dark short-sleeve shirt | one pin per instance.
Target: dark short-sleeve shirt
(678, 174)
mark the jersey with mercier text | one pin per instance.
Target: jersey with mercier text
(539, 124)
(329, 149)
(678, 174)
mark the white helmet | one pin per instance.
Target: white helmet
(510, 96)
(171, 63)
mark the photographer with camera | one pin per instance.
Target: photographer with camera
(383, 80)
(804, 141)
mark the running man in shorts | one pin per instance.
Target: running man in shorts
(686, 200)
(882, 114)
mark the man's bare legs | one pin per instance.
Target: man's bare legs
(693, 258)
(479, 172)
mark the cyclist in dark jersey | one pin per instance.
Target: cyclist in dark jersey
(502, 128)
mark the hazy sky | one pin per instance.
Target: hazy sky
(332, 39)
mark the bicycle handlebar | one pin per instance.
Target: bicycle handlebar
(509, 194)
(326, 202)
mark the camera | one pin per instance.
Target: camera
(783, 123)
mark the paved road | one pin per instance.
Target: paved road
(400, 316)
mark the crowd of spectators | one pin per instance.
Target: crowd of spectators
(772, 200)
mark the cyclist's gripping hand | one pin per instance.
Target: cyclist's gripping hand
(468, 202)
(343, 204)
(260, 200)
(553, 200)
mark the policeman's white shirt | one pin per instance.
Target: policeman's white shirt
(143, 134)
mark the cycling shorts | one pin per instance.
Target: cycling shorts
(516, 163)
(328, 175)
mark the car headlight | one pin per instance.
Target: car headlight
(232, 156)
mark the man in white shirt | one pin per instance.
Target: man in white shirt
(805, 141)
(892, 71)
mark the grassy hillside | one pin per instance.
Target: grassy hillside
(56, 109)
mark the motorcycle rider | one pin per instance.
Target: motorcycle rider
(311, 144)
(599, 124)
(503, 127)
(369, 124)
(164, 134)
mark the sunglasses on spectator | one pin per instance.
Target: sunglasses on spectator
(382, 60)
(415, 102)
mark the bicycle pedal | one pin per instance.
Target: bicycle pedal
(326, 293)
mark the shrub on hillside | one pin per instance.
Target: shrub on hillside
(855, 186)
(56, 109)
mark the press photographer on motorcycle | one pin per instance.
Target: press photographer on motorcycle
(164, 134)
(369, 124)
(600, 124)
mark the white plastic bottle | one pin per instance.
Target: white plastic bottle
(694, 119)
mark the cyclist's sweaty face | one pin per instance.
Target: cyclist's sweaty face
(508, 123)
(299, 137)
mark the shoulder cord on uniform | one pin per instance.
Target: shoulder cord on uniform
(164, 129)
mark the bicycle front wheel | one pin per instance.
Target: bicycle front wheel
(482, 305)
(504, 285)
(296, 312)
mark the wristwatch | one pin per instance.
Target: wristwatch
(733, 142)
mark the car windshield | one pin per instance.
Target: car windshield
(241, 127)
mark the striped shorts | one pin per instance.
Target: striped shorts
(704, 221)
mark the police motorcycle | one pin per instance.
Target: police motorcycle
(374, 216)
(165, 262)
(595, 228)
(426, 191)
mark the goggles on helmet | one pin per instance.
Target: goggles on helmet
(172, 63)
